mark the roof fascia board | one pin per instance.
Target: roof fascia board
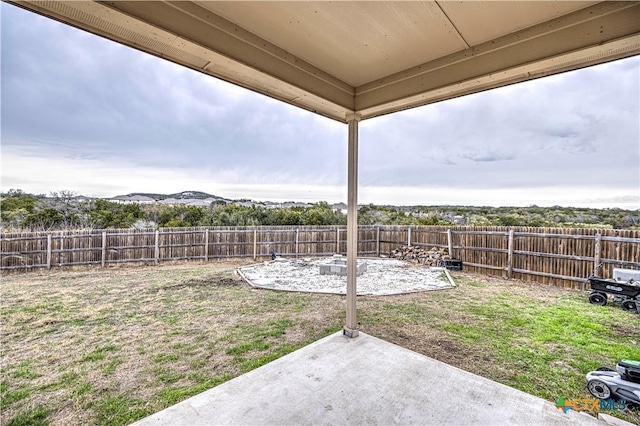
(596, 26)
(305, 86)
(618, 49)
(202, 27)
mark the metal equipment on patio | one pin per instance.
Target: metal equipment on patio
(623, 383)
(626, 292)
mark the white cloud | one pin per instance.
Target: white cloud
(28, 170)
(123, 121)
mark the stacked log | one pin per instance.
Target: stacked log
(420, 255)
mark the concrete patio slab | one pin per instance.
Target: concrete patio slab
(364, 380)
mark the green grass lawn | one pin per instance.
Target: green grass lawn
(539, 339)
(110, 346)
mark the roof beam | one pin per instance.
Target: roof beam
(190, 35)
(604, 32)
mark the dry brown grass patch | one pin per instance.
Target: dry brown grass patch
(108, 346)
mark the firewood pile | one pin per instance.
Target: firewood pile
(420, 255)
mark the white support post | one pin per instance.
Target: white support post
(297, 241)
(351, 327)
(409, 237)
(450, 243)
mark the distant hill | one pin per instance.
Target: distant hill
(184, 195)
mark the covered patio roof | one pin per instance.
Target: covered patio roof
(365, 58)
(353, 60)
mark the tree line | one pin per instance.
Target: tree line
(64, 210)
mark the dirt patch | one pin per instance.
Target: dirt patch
(435, 344)
(631, 328)
(204, 282)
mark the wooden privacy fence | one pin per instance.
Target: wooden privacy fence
(71, 248)
(564, 257)
(549, 255)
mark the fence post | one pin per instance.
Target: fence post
(104, 248)
(206, 245)
(49, 251)
(337, 240)
(598, 251)
(450, 243)
(378, 241)
(297, 238)
(157, 247)
(255, 243)
(409, 237)
(510, 255)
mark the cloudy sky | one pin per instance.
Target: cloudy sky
(84, 114)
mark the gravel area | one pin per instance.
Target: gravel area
(382, 277)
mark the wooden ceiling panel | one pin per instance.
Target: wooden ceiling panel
(356, 42)
(480, 21)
